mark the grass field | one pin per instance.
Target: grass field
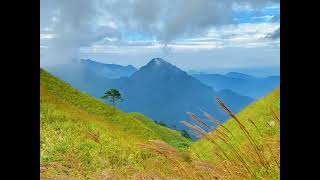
(248, 147)
(82, 137)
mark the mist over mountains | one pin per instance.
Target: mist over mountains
(109, 70)
(240, 83)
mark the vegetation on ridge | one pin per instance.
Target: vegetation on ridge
(82, 137)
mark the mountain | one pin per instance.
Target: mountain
(240, 83)
(109, 70)
(239, 75)
(159, 90)
(82, 137)
(165, 93)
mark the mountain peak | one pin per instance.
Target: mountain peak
(158, 61)
(159, 68)
(159, 65)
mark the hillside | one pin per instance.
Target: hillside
(82, 137)
(248, 148)
(245, 147)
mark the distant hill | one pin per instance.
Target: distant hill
(81, 136)
(109, 70)
(239, 75)
(159, 90)
(240, 83)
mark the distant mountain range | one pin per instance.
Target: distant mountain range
(80, 76)
(159, 90)
(109, 70)
(240, 83)
(239, 75)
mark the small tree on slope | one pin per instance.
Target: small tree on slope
(113, 95)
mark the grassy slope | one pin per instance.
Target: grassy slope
(259, 113)
(82, 136)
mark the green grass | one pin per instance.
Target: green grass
(266, 135)
(83, 137)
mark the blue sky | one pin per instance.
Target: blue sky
(263, 15)
(201, 35)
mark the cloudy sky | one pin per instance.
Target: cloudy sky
(195, 35)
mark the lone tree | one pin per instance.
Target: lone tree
(113, 95)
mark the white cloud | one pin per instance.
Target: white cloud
(46, 36)
(265, 18)
(201, 25)
(166, 20)
(242, 35)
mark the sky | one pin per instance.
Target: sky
(206, 36)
